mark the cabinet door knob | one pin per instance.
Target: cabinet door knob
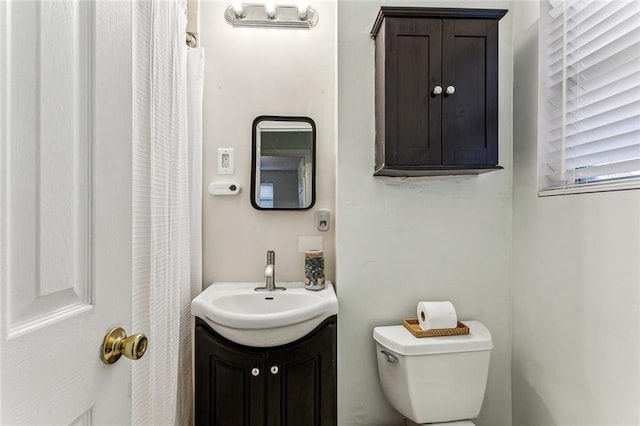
(450, 90)
(437, 90)
(255, 371)
(274, 369)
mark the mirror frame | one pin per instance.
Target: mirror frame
(254, 157)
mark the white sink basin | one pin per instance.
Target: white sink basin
(264, 318)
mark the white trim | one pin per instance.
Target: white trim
(4, 106)
(594, 187)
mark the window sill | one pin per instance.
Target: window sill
(594, 187)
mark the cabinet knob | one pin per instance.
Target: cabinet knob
(450, 90)
(437, 90)
(255, 371)
(274, 369)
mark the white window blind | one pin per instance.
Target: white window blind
(589, 93)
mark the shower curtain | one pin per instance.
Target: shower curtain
(167, 146)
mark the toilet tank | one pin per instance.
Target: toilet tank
(435, 379)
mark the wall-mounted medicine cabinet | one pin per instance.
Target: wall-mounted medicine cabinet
(436, 88)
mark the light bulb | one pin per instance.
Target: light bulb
(238, 8)
(270, 8)
(303, 9)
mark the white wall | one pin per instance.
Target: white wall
(400, 241)
(251, 72)
(576, 307)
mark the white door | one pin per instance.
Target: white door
(65, 210)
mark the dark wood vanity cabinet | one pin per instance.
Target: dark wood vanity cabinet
(436, 88)
(294, 384)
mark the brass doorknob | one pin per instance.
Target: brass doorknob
(116, 343)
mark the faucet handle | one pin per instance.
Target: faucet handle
(271, 257)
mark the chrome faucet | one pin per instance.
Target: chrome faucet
(270, 273)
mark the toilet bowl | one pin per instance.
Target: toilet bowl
(434, 380)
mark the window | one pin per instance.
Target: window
(589, 116)
(266, 195)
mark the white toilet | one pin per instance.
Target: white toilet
(434, 380)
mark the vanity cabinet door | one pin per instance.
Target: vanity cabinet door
(301, 381)
(292, 385)
(228, 391)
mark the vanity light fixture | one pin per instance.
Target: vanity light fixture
(270, 15)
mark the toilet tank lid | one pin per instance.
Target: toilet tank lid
(399, 340)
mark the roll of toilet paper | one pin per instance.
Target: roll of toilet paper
(437, 315)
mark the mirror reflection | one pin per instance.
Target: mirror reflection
(283, 163)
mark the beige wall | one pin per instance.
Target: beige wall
(576, 307)
(252, 72)
(400, 241)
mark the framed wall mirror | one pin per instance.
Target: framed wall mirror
(283, 163)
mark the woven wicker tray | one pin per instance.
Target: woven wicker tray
(414, 327)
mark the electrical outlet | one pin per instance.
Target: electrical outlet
(225, 161)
